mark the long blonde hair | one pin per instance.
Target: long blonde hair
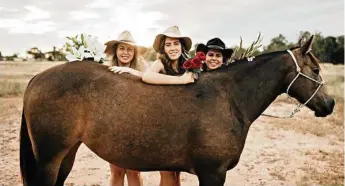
(137, 63)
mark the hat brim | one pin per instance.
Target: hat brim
(158, 39)
(227, 52)
(110, 44)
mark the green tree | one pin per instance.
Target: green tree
(340, 40)
(0, 56)
(330, 47)
(37, 54)
(56, 55)
(304, 35)
(319, 46)
(337, 56)
(11, 58)
(277, 44)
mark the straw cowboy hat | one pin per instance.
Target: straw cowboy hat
(216, 44)
(173, 32)
(125, 37)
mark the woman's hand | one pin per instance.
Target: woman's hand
(250, 58)
(121, 70)
(187, 77)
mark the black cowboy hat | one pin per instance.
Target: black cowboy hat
(216, 44)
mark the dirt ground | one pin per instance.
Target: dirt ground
(303, 150)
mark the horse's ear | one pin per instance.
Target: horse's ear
(306, 47)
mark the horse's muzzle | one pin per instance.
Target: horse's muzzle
(326, 109)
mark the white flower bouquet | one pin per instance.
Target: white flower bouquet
(84, 47)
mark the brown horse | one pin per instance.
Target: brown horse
(198, 128)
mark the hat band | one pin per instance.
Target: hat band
(128, 41)
(216, 46)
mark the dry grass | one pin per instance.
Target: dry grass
(14, 76)
(11, 88)
(332, 174)
(278, 175)
(331, 128)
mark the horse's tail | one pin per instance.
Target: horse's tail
(27, 157)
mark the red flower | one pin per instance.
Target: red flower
(196, 63)
(201, 56)
(187, 64)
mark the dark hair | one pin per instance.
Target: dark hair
(224, 62)
(167, 61)
(225, 57)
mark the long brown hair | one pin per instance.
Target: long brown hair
(167, 61)
(135, 62)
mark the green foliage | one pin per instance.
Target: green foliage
(76, 42)
(37, 54)
(252, 50)
(278, 43)
(326, 49)
(192, 53)
(9, 58)
(56, 55)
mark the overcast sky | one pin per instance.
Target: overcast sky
(43, 23)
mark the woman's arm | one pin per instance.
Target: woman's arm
(141, 67)
(152, 76)
(129, 70)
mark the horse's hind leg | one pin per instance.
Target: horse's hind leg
(67, 164)
(50, 154)
(47, 170)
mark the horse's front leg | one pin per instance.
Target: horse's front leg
(211, 177)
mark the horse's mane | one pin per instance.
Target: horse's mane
(245, 62)
(265, 57)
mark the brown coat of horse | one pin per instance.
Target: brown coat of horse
(199, 128)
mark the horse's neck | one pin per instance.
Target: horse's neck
(255, 86)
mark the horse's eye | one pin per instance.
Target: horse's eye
(316, 71)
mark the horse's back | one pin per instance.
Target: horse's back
(64, 77)
(55, 99)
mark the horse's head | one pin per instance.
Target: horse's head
(304, 81)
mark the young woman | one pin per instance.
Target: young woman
(125, 54)
(216, 53)
(172, 51)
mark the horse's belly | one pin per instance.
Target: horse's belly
(139, 154)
